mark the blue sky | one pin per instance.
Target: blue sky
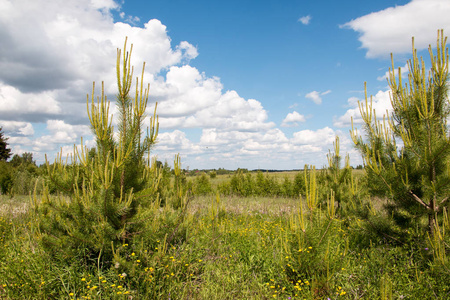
(252, 84)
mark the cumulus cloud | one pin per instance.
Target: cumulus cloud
(381, 34)
(403, 70)
(195, 101)
(324, 136)
(176, 141)
(381, 102)
(269, 149)
(16, 128)
(17, 105)
(52, 50)
(305, 20)
(292, 119)
(61, 134)
(51, 45)
(316, 96)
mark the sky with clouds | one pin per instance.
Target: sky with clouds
(252, 84)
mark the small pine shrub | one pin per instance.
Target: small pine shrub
(202, 185)
(107, 197)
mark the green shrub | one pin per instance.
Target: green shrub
(299, 185)
(108, 197)
(202, 185)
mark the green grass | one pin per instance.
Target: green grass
(231, 248)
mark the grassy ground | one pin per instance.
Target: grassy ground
(232, 248)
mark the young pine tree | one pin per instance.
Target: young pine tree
(5, 151)
(416, 176)
(106, 194)
(339, 179)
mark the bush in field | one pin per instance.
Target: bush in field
(241, 183)
(299, 185)
(202, 185)
(26, 176)
(266, 185)
(287, 188)
(224, 188)
(263, 184)
(110, 195)
(416, 176)
(24, 182)
(337, 180)
(20, 176)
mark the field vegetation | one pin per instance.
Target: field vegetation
(110, 223)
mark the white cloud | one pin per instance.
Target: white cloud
(315, 96)
(190, 51)
(15, 104)
(52, 45)
(61, 134)
(104, 4)
(175, 140)
(270, 149)
(186, 91)
(52, 51)
(195, 101)
(57, 48)
(391, 29)
(403, 70)
(320, 137)
(381, 102)
(305, 20)
(292, 119)
(17, 128)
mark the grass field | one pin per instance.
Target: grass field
(232, 248)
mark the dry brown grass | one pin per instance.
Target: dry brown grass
(12, 207)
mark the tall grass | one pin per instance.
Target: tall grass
(233, 248)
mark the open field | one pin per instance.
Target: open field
(232, 248)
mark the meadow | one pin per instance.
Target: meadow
(109, 223)
(229, 246)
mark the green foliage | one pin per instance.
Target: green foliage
(263, 184)
(338, 178)
(25, 159)
(5, 152)
(286, 188)
(202, 185)
(299, 185)
(6, 174)
(338, 182)
(417, 176)
(241, 183)
(20, 176)
(103, 238)
(25, 181)
(232, 248)
(106, 196)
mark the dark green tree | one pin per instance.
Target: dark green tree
(6, 177)
(415, 175)
(5, 152)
